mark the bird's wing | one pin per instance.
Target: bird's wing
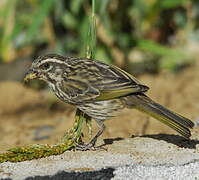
(98, 81)
(121, 84)
(78, 90)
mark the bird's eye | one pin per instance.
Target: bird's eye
(45, 66)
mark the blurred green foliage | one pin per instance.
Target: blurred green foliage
(128, 31)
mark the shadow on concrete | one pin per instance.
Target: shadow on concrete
(174, 139)
(111, 140)
(105, 174)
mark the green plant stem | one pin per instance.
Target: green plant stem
(90, 51)
(75, 133)
(91, 43)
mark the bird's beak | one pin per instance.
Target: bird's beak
(31, 74)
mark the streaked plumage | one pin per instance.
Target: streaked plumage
(101, 90)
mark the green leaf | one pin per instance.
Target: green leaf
(38, 18)
(102, 6)
(7, 14)
(172, 3)
(102, 55)
(75, 5)
(69, 20)
(170, 57)
(158, 49)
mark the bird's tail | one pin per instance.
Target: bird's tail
(177, 122)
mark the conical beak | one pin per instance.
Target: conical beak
(31, 74)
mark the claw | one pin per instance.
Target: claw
(89, 146)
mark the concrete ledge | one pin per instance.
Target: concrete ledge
(151, 157)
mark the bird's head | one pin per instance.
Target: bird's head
(48, 68)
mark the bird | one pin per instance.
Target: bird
(101, 91)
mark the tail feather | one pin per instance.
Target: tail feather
(177, 122)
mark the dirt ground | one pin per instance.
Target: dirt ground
(28, 116)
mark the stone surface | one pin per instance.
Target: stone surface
(149, 157)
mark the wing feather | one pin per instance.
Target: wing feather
(98, 81)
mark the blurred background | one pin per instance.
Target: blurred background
(157, 41)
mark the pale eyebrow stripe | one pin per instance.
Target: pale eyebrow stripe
(52, 60)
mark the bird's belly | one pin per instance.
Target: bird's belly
(102, 110)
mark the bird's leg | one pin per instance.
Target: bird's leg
(99, 133)
(91, 144)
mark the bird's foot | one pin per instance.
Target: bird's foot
(89, 146)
